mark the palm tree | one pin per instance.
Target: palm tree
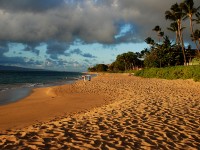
(196, 36)
(159, 32)
(189, 9)
(150, 41)
(176, 14)
(197, 17)
(174, 28)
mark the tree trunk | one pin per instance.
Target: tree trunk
(177, 38)
(181, 40)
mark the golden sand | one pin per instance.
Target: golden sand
(110, 112)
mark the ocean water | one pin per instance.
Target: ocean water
(15, 85)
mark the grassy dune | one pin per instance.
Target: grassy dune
(178, 72)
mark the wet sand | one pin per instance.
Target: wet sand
(13, 95)
(45, 104)
(114, 112)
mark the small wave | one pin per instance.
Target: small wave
(33, 85)
(76, 78)
(3, 89)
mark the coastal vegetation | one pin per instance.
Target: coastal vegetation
(98, 68)
(165, 58)
(178, 72)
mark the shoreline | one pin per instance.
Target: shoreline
(112, 111)
(9, 96)
(46, 103)
(14, 95)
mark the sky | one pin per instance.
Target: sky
(72, 35)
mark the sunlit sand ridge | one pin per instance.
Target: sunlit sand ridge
(137, 113)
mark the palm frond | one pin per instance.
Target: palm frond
(156, 28)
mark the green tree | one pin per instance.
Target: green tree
(122, 59)
(176, 14)
(196, 37)
(126, 61)
(189, 54)
(92, 69)
(151, 59)
(101, 68)
(142, 54)
(116, 66)
(150, 41)
(189, 9)
(98, 68)
(163, 54)
(160, 34)
(129, 60)
(174, 28)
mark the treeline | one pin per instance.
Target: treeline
(124, 62)
(98, 68)
(163, 52)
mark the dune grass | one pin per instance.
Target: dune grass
(177, 72)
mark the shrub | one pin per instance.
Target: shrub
(177, 72)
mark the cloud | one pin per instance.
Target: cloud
(11, 60)
(88, 20)
(52, 62)
(76, 51)
(19, 61)
(31, 46)
(59, 23)
(87, 61)
(3, 48)
(87, 55)
(79, 52)
(126, 33)
(55, 48)
(29, 5)
(90, 62)
(64, 23)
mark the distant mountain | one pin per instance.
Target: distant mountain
(13, 68)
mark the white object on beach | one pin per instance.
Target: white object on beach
(83, 77)
(86, 78)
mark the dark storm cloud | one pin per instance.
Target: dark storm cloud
(55, 48)
(29, 5)
(64, 23)
(89, 20)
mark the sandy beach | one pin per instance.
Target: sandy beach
(113, 111)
